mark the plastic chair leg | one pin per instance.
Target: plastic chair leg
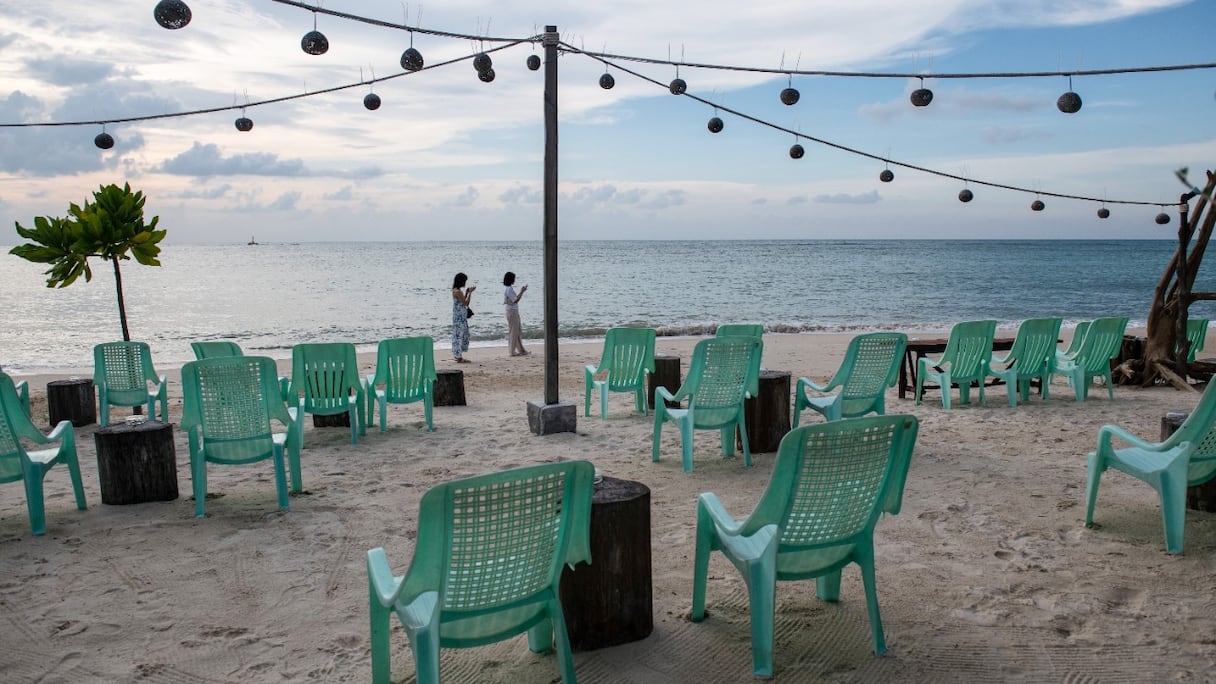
(381, 657)
(762, 595)
(1173, 504)
(33, 500)
(1093, 473)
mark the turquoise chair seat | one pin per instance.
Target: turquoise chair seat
(1032, 357)
(30, 466)
(325, 381)
(964, 362)
(124, 376)
(625, 363)
(1102, 342)
(724, 371)
(1185, 459)
(405, 366)
(830, 483)
(228, 405)
(486, 566)
(870, 366)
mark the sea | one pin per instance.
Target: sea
(269, 297)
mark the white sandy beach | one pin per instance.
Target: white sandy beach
(986, 575)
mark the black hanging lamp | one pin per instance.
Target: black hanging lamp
(243, 124)
(1162, 218)
(607, 81)
(790, 95)
(482, 62)
(411, 59)
(922, 96)
(678, 86)
(1103, 212)
(171, 14)
(887, 175)
(371, 101)
(965, 195)
(314, 42)
(486, 76)
(1070, 102)
(1037, 205)
(533, 62)
(796, 151)
(104, 140)
(715, 124)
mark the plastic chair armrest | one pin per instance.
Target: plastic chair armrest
(809, 383)
(384, 585)
(1107, 432)
(56, 434)
(662, 392)
(709, 504)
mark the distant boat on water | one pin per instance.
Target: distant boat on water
(252, 241)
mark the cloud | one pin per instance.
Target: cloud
(796, 200)
(665, 200)
(1001, 136)
(70, 71)
(346, 193)
(466, 198)
(285, 202)
(207, 160)
(521, 194)
(361, 173)
(205, 193)
(870, 197)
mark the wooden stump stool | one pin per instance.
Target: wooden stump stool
(333, 420)
(767, 416)
(1200, 497)
(609, 602)
(136, 462)
(74, 400)
(666, 374)
(449, 387)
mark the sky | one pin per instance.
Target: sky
(448, 157)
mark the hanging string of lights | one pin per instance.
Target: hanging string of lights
(175, 14)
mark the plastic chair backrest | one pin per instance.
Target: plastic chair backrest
(1103, 341)
(721, 372)
(326, 374)
(125, 368)
(1034, 348)
(232, 401)
(216, 349)
(870, 366)
(740, 329)
(1199, 429)
(628, 355)
(14, 425)
(1196, 334)
(1078, 336)
(489, 541)
(969, 349)
(405, 365)
(831, 481)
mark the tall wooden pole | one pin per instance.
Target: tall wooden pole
(550, 190)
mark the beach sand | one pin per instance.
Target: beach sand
(987, 574)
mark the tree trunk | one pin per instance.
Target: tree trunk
(122, 307)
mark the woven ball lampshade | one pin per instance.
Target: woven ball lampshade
(678, 86)
(1069, 103)
(314, 43)
(371, 101)
(886, 176)
(486, 76)
(1104, 213)
(965, 195)
(607, 81)
(171, 14)
(716, 125)
(1162, 218)
(789, 96)
(244, 124)
(1037, 205)
(104, 141)
(921, 97)
(533, 62)
(411, 59)
(796, 151)
(482, 62)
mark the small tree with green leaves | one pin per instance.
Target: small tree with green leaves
(110, 227)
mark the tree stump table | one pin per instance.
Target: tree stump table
(449, 387)
(767, 416)
(136, 462)
(666, 374)
(74, 400)
(609, 601)
(1200, 497)
(332, 420)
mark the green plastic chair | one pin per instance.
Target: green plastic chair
(627, 359)
(215, 349)
(124, 376)
(718, 379)
(1185, 459)
(1103, 341)
(870, 366)
(228, 404)
(23, 393)
(31, 466)
(406, 368)
(965, 361)
(486, 566)
(1032, 357)
(1196, 334)
(830, 483)
(325, 381)
(1078, 336)
(740, 330)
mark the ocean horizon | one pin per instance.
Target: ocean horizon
(270, 296)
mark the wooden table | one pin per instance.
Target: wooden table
(918, 349)
(767, 416)
(136, 462)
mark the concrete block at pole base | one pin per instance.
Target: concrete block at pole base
(549, 419)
